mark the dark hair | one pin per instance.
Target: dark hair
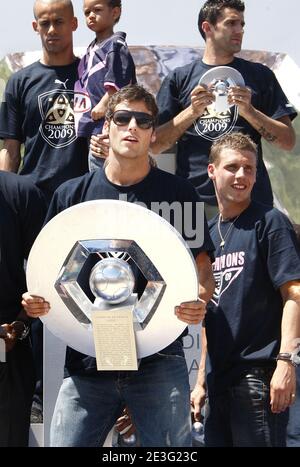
(114, 4)
(212, 9)
(234, 140)
(132, 93)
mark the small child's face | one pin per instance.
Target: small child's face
(99, 16)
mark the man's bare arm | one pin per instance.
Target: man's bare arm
(193, 312)
(198, 394)
(279, 132)
(283, 384)
(168, 133)
(206, 289)
(206, 278)
(10, 155)
(290, 325)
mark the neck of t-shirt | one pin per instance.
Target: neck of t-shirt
(229, 212)
(57, 60)
(118, 175)
(212, 59)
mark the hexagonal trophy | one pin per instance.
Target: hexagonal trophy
(104, 256)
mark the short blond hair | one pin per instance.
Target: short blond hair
(235, 140)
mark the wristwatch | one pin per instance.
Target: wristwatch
(292, 357)
(21, 328)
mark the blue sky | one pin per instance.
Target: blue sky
(164, 22)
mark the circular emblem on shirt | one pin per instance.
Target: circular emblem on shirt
(213, 125)
(58, 122)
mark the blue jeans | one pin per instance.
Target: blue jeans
(157, 395)
(293, 429)
(242, 416)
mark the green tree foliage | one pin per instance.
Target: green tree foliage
(284, 171)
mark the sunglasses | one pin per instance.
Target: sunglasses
(123, 117)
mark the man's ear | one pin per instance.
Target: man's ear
(34, 25)
(211, 171)
(206, 27)
(153, 137)
(105, 129)
(74, 23)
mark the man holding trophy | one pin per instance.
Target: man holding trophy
(218, 94)
(157, 394)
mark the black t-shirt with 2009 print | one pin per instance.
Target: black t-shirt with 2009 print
(38, 110)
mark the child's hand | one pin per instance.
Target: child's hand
(98, 111)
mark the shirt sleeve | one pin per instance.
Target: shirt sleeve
(120, 67)
(56, 205)
(195, 228)
(32, 210)
(281, 250)
(66, 195)
(275, 102)
(11, 112)
(168, 99)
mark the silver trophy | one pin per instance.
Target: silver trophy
(112, 280)
(82, 261)
(219, 79)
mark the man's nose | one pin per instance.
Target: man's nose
(240, 28)
(240, 173)
(51, 29)
(132, 124)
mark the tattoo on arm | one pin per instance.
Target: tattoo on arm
(268, 136)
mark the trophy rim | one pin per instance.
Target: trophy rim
(84, 221)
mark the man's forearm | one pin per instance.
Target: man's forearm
(290, 331)
(278, 132)
(206, 278)
(203, 355)
(10, 157)
(290, 324)
(169, 133)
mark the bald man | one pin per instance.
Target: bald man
(55, 18)
(39, 105)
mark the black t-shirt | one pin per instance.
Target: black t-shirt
(243, 321)
(38, 110)
(194, 146)
(22, 211)
(157, 186)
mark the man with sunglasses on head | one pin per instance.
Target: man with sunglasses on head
(157, 394)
